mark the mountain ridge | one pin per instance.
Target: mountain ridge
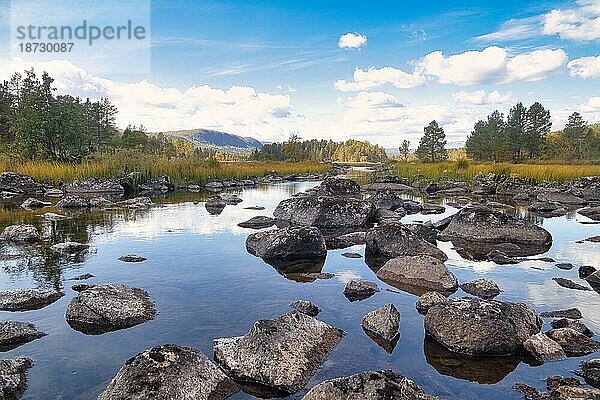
(209, 138)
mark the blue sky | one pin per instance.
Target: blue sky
(273, 68)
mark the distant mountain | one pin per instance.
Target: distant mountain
(206, 138)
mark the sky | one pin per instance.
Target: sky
(377, 71)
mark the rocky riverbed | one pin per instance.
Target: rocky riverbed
(499, 276)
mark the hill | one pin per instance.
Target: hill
(206, 138)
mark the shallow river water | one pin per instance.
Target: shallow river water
(206, 286)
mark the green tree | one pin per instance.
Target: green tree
(405, 149)
(514, 139)
(537, 127)
(575, 133)
(432, 145)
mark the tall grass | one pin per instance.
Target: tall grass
(180, 170)
(466, 171)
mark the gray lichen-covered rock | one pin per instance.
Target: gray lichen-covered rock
(288, 244)
(15, 333)
(591, 212)
(421, 273)
(169, 372)
(475, 326)
(574, 344)
(282, 353)
(69, 247)
(306, 307)
(590, 371)
(372, 385)
(94, 186)
(73, 202)
(393, 239)
(484, 288)
(360, 290)
(384, 322)
(215, 205)
(428, 300)
(104, 308)
(339, 187)
(32, 203)
(18, 183)
(27, 299)
(325, 212)
(544, 349)
(575, 325)
(258, 222)
(20, 233)
(572, 313)
(386, 200)
(481, 230)
(230, 198)
(137, 202)
(13, 377)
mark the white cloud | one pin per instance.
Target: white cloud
(536, 65)
(591, 110)
(376, 77)
(514, 29)
(585, 67)
(580, 24)
(352, 41)
(479, 97)
(371, 100)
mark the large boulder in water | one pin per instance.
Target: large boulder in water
(281, 354)
(20, 233)
(418, 274)
(386, 200)
(339, 187)
(104, 308)
(394, 239)
(27, 299)
(590, 371)
(94, 186)
(481, 327)
(169, 372)
(16, 333)
(13, 377)
(325, 212)
(372, 385)
(480, 230)
(18, 183)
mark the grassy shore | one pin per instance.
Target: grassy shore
(180, 170)
(466, 171)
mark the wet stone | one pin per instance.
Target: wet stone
(133, 258)
(572, 313)
(16, 333)
(27, 299)
(360, 290)
(306, 307)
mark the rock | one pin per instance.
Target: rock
(500, 258)
(317, 275)
(20, 233)
(544, 349)
(306, 307)
(104, 308)
(425, 231)
(94, 186)
(573, 343)
(565, 266)
(396, 187)
(194, 188)
(169, 372)
(569, 284)
(593, 279)
(421, 273)
(585, 271)
(547, 209)
(215, 205)
(32, 203)
(288, 244)
(428, 300)
(214, 185)
(69, 247)
(571, 313)
(386, 200)
(17, 183)
(590, 371)
(394, 239)
(163, 185)
(258, 222)
(382, 215)
(80, 287)
(27, 299)
(480, 229)
(81, 277)
(591, 212)
(383, 322)
(555, 381)
(474, 326)
(428, 208)
(132, 258)
(360, 290)
(15, 333)
(254, 208)
(230, 199)
(372, 385)
(137, 202)
(560, 389)
(593, 239)
(53, 216)
(13, 377)
(325, 212)
(351, 255)
(412, 207)
(346, 240)
(561, 197)
(575, 325)
(339, 187)
(54, 192)
(73, 202)
(484, 288)
(282, 353)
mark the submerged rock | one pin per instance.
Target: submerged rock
(16, 333)
(569, 284)
(230, 199)
(169, 372)
(68, 202)
(325, 212)
(53, 216)
(572, 313)
(351, 255)
(69, 247)
(575, 325)
(215, 205)
(81, 277)
(360, 290)
(544, 349)
(104, 308)
(287, 244)
(428, 300)
(32, 203)
(383, 322)
(484, 288)
(565, 266)
(281, 354)
(258, 222)
(573, 343)
(418, 273)
(306, 307)
(474, 326)
(372, 385)
(132, 258)
(27, 299)
(590, 371)
(13, 377)
(20, 233)
(137, 202)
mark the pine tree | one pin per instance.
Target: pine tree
(432, 145)
(515, 130)
(537, 127)
(405, 149)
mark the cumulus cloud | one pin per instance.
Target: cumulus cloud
(352, 41)
(585, 67)
(580, 24)
(514, 29)
(490, 65)
(480, 97)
